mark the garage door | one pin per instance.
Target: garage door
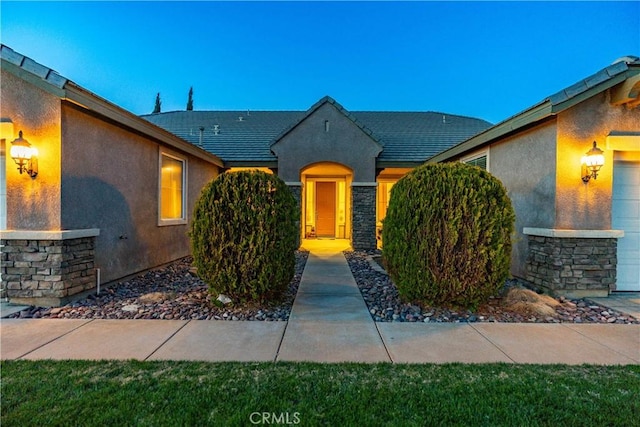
(626, 216)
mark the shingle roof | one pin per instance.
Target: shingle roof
(238, 136)
(232, 135)
(594, 80)
(28, 64)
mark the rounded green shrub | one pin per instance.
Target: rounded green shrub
(244, 235)
(447, 235)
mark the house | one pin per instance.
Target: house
(577, 232)
(340, 165)
(107, 195)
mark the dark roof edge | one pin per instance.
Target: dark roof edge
(340, 108)
(380, 164)
(550, 106)
(251, 164)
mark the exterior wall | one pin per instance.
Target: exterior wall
(110, 181)
(344, 143)
(581, 206)
(526, 166)
(32, 203)
(93, 175)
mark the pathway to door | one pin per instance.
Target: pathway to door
(329, 320)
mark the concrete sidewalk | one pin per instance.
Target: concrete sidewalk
(329, 322)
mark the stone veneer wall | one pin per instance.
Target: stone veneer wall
(573, 265)
(363, 208)
(47, 272)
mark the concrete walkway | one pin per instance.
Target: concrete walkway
(329, 322)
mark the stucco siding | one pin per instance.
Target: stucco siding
(587, 206)
(32, 203)
(110, 181)
(342, 142)
(526, 166)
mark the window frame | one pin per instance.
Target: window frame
(477, 155)
(172, 221)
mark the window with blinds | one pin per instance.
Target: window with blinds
(480, 161)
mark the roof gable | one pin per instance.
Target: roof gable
(315, 107)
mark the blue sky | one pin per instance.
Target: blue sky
(482, 59)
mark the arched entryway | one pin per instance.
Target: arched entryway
(326, 195)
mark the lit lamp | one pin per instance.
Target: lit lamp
(591, 163)
(25, 156)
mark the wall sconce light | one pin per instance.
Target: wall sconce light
(25, 156)
(591, 163)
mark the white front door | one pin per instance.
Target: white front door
(625, 216)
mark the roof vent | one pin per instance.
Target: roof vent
(240, 118)
(216, 129)
(201, 128)
(626, 59)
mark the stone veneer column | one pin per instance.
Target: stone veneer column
(46, 268)
(363, 215)
(296, 190)
(577, 263)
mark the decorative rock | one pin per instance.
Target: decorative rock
(131, 308)
(224, 299)
(379, 291)
(168, 293)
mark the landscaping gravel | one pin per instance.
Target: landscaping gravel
(384, 304)
(172, 292)
(175, 292)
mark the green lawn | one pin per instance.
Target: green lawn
(184, 393)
